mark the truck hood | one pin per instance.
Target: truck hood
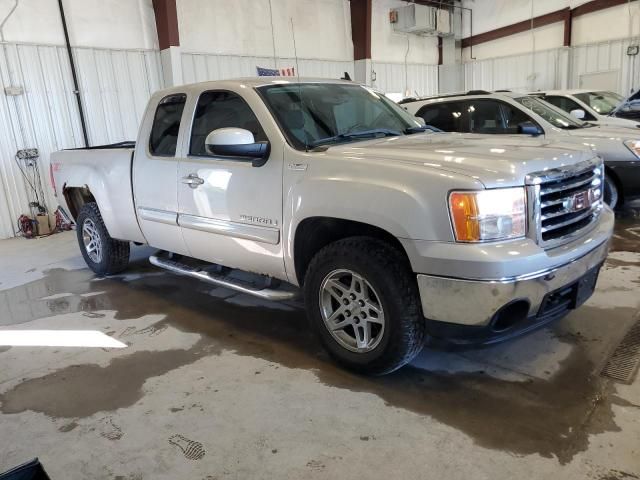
(496, 161)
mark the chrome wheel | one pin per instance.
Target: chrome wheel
(92, 241)
(352, 311)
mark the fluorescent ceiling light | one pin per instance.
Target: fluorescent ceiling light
(58, 338)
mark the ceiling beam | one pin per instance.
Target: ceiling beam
(514, 28)
(596, 5)
(565, 15)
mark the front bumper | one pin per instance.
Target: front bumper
(479, 308)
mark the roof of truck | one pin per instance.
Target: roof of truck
(251, 82)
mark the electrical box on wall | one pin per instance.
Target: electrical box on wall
(421, 20)
(414, 18)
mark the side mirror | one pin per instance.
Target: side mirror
(529, 128)
(237, 144)
(421, 121)
(578, 113)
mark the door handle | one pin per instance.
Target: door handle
(298, 166)
(193, 180)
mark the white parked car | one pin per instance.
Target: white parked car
(598, 107)
(393, 234)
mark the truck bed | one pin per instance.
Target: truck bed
(104, 170)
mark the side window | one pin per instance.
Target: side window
(485, 116)
(450, 116)
(566, 104)
(221, 109)
(513, 116)
(166, 125)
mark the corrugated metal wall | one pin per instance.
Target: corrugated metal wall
(557, 68)
(417, 79)
(603, 57)
(199, 67)
(114, 84)
(390, 77)
(514, 72)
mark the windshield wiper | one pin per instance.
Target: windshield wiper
(422, 128)
(375, 133)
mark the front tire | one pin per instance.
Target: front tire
(611, 192)
(103, 254)
(363, 301)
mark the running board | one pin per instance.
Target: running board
(220, 280)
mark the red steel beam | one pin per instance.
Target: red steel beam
(565, 15)
(540, 21)
(361, 28)
(596, 5)
(166, 23)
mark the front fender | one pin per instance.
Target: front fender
(407, 201)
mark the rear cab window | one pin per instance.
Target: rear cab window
(166, 125)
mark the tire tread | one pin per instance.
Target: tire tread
(116, 252)
(411, 322)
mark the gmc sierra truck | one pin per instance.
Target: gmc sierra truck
(394, 233)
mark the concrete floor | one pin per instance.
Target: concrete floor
(215, 385)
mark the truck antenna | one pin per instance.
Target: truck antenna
(295, 53)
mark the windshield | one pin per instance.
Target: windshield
(332, 113)
(551, 114)
(602, 102)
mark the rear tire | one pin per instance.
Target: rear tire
(103, 254)
(363, 301)
(611, 192)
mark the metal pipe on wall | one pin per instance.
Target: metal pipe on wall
(76, 89)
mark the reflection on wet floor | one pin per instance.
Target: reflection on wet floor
(550, 416)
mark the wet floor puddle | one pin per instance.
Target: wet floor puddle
(552, 417)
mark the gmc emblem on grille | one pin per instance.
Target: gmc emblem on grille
(579, 201)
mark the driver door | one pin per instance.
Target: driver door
(229, 211)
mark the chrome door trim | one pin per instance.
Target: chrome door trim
(159, 216)
(230, 229)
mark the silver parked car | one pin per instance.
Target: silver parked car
(509, 113)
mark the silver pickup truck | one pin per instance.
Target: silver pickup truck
(395, 234)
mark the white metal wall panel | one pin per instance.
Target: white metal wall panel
(415, 78)
(200, 67)
(114, 84)
(603, 57)
(541, 70)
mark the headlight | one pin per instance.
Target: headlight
(485, 215)
(634, 146)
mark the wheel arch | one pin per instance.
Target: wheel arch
(314, 233)
(614, 176)
(76, 198)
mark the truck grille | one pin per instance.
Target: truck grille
(564, 202)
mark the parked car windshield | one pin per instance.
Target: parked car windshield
(551, 114)
(314, 114)
(602, 102)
